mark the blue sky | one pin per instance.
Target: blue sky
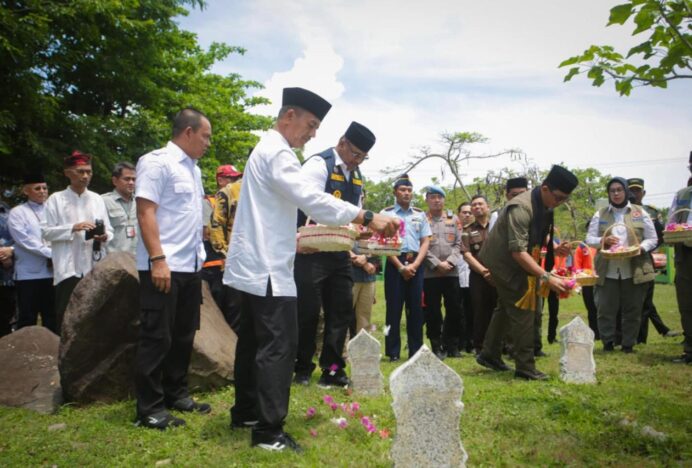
(411, 70)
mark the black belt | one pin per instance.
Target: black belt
(408, 256)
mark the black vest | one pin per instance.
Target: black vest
(347, 190)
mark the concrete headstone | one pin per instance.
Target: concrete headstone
(364, 356)
(29, 375)
(577, 364)
(427, 406)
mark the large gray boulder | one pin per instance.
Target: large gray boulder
(29, 370)
(99, 332)
(100, 329)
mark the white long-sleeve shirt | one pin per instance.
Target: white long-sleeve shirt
(263, 243)
(72, 254)
(31, 252)
(621, 268)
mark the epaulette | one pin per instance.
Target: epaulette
(417, 209)
(389, 208)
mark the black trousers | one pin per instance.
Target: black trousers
(553, 311)
(264, 359)
(63, 292)
(467, 312)
(167, 329)
(323, 281)
(649, 312)
(592, 311)
(449, 332)
(226, 298)
(36, 297)
(8, 307)
(483, 300)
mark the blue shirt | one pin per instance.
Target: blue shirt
(415, 223)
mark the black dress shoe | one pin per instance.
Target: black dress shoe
(453, 353)
(277, 443)
(161, 421)
(608, 346)
(301, 379)
(628, 349)
(339, 379)
(393, 358)
(188, 405)
(494, 364)
(531, 375)
(684, 359)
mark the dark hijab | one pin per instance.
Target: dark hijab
(623, 182)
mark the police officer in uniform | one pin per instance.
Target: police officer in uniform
(323, 279)
(512, 254)
(649, 312)
(683, 266)
(483, 292)
(441, 277)
(403, 275)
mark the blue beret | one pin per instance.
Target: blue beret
(434, 189)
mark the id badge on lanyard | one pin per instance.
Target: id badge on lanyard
(130, 231)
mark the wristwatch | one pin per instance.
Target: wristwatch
(367, 217)
(545, 276)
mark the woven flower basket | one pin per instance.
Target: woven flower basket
(326, 238)
(624, 252)
(392, 246)
(678, 233)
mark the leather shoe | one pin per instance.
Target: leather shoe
(494, 364)
(684, 359)
(339, 379)
(627, 349)
(301, 379)
(531, 375)
(188, 405)
(161, 421)
(608, 347)
(454, 353)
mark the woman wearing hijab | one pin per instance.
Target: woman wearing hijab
(621, 281)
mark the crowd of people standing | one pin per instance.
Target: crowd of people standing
(485, 269)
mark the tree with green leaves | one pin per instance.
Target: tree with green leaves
(664, 56)
(106, 77)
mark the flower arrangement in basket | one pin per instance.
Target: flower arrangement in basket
(326, 238)
(620, 251)
(675, 233)
(574, 278)
(379, 245)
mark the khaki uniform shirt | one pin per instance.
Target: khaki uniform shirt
(445, 245)
(510, 234)
(475, 234)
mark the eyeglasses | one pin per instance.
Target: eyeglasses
(356, 154)
(559, 198)
(616, 190)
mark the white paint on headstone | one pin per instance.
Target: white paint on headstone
(427, 405)
(577, 364)
(364, 356)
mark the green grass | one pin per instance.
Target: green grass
(505, 421)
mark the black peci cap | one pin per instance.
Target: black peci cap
(307, 100)
(561, 179)
(361, 137)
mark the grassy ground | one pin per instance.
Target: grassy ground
(505, 421)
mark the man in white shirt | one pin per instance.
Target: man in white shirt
(324, 279)
(77, 227)
(260, 265)
(33, 266)
(170, 255)
(122, 210)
